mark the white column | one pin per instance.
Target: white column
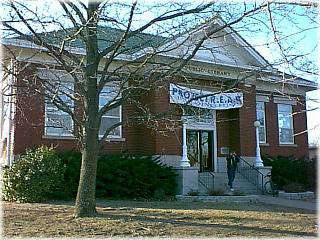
(258, 162)
(184, 160)
(215, 148)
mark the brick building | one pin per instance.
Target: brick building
(205, 137)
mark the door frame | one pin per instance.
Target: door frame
(199, 139)
(192, 123)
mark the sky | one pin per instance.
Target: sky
(258, 39)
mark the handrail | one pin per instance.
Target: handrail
(251, 173)
(206, 184)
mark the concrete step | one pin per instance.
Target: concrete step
(207, 179)
(240, 184)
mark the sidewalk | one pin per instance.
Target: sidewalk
(288, 203)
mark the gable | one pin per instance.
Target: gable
(226, 47)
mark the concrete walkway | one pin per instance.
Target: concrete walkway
(288, 203)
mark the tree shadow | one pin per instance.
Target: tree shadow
(154, 218)
(177, 205)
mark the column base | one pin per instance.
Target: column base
(266, 172)
(187, 179)
(184, 162)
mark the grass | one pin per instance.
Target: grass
(137, 218)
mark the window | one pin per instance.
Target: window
(58, 122)
(111, 117)
(260, 108)
(285, 122)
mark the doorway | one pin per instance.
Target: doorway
(200, 147)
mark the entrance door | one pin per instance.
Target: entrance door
(200, 149)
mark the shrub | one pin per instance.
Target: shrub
(36, 176)
(127, 176)
(294, 187)
(193, 193)
(72, 161)
(238, 193)
(122, 176)
(289, 171)
(222, 193)
(216, 193)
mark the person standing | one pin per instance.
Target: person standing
(232, 162)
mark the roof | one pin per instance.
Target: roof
(138, 43)
(106, 37)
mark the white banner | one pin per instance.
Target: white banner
(183, 95)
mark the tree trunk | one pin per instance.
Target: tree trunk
(85, 201)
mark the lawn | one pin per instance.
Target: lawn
(177, 219)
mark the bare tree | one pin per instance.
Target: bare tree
(105, 50)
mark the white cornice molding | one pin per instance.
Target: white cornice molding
(285, 100)
(294, 81)
(29, 45)
(272, 77)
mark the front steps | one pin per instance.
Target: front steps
(219, 199)
(241, 185)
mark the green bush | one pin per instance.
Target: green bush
(128, 176)
(216, 193)
(294, 187)
(122, 176)
(193, 193)
(291, 173)
(41, 174)
(36, 176)
(72, 161)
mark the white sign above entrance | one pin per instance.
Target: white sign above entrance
(210, 100)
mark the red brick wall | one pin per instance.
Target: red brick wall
(234, 130)
(166, 141)
(300, 149)
(247, 116)
(29, 122)
(234, 127)
(146, 138)
(223, 132)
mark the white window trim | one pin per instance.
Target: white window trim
(285, 100)
(291, 119)
(264, 121)
(120, 127)
(114, 117)
(262, 98)
(60, 113)
(65, 134)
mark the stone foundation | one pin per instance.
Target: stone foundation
(297, 196)
(187, 179)
(219, 199)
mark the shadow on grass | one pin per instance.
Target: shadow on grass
(177, 205)
(151, 218)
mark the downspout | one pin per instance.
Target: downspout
(1, 104)
(10, 117)
(1, 114)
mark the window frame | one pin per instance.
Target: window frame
(58, 112)
(291, 123)
(111, 117)
(264, 121)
